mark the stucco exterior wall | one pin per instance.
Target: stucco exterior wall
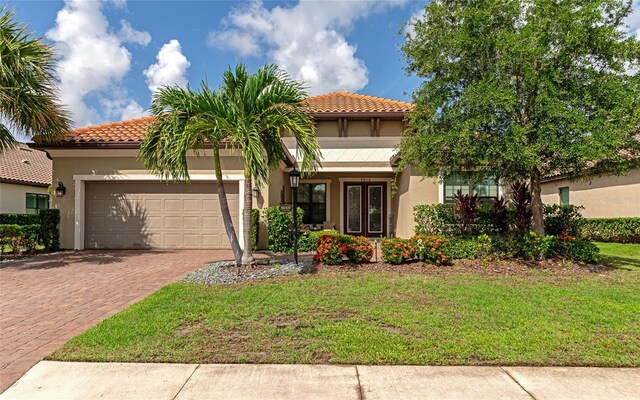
(602, 197)
(13, 197)
(112, 162)
(359, 128)
(412, 189)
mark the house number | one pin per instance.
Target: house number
(365, 179)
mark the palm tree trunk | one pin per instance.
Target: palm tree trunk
(224, 208)
(247, 254)
(536, 204)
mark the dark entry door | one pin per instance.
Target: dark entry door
(365, 208)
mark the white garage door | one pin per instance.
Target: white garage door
(156, 215)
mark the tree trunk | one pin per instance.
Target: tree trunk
(247, 254)
(536, 204)
(224, 208)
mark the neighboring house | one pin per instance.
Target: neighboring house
(603, 196)
(25, 176)
(112, 201)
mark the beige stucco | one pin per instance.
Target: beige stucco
(358, 129)
(69, 163)
(412, 189)
(13, 197)
(602, 197)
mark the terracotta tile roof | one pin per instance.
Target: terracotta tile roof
(132, 131)
(345, 102)
(331, 104)
(25, 165)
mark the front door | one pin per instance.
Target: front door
(365, 208)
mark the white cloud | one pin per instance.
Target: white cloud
(133, 110)
(306, 40)
(633, 20)
(94, 61)
(128, 34)
(170, 68)
(409, 28)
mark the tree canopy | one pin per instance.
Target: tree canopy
(523, 89)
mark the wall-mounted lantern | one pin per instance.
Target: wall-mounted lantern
(61, 190)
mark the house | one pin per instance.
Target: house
(25, 177)
(604, 196)
(113, 201)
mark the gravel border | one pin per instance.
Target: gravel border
(226, 272)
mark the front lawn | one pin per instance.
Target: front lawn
(621, 255)
(541, 317)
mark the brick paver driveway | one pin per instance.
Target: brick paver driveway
(45, 301)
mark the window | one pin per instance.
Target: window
(37, 202)
(486, 190)
(564, 195)
(312, 198)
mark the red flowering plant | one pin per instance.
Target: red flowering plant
(431, 249)
(396, 250)
(359, 249)
(330, 250)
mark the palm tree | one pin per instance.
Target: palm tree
(259, 108)
(187, 121)
(28, 94)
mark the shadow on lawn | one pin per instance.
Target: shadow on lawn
(628, 263)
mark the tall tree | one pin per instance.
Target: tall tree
(28, 93)
(260, 108)
(187, 121)
(523, 89)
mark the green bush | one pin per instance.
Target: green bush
(583, 250)
(463, 247)
(50, 229)
(620, 230)
(280, 229)
(10, 236)
(29, 239)
(307, 242)
(562, 219)
(255, 228)
(436, 219)
(535, 247)
(19, 219)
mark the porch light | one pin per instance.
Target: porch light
(61, 190)
(294, 178)
(256, 192)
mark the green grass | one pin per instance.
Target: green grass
(541, 318)
(626, 256)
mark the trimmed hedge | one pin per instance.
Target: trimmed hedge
(280, 229)
(48, 222)
(620, 230)
(17, 236)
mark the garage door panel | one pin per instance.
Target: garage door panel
(156, 215)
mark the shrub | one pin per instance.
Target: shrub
(50, 228)
(463, 247)
(521, 200)
(431, 249)
(396, 250)
(330, 250)
(435, 219)
(583, 250)
(307, 242)
(562, 219)
(467, 209)
(621, 230)
(500, 215)
(359, 249)
(535, 247)
(29, 239)
(19, 219)
(255, 228)
(280, 229)
(10, 235)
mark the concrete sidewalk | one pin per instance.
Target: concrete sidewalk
(62, 380)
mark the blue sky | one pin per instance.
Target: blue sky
(115, 53)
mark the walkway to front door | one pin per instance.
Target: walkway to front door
(365, 205)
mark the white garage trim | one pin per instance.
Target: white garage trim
(79, 200)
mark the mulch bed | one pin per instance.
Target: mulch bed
(481, 267)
